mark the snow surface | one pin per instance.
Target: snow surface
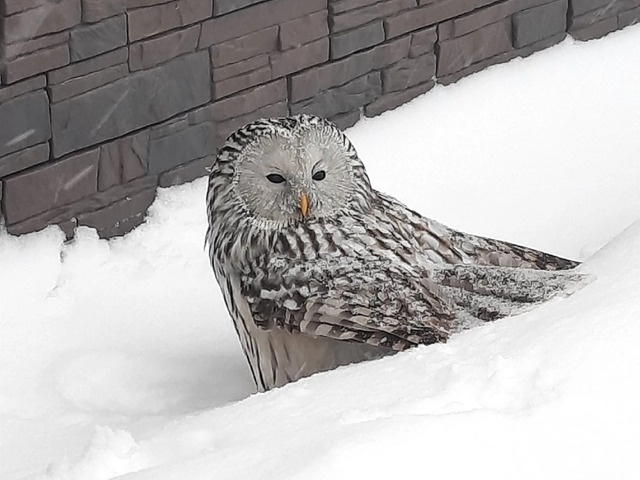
(118, 358)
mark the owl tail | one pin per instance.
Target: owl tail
(482, 294)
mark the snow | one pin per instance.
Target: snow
(118, 358)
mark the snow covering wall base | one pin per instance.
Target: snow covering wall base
(101, 102)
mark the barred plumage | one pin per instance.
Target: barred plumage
(319, 270)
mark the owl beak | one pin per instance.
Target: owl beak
(304, 204)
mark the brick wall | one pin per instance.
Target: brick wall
(101, 101)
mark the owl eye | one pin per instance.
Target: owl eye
(319, 175)
(275, 178)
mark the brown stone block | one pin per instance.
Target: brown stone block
(248, 102)
(88, 66)
(158, 50)
(317, 79)
(409, 72)
(28, 46)
(123, 160)
(224, 88)
(296, 59)
(20, 88)
(79, 85)
(423, 42)
(257, 17)
(96, 10)
(27, 194)
(187, 172)
(370, 13)
(35, 63)
(303, 30)
(393, 100)
(241, 48)
(225, 128)
(236, 69)
(464, 51)
(24, 159)
(429, 14)
(149, 21)
(50, 17)
(342, 44)
(345, 98)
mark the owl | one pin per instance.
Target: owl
(318, 269)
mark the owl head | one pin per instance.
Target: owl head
(281, 171)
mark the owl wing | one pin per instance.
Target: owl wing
(372, 302)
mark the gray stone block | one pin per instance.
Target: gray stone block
(28, 46)
(225, 128)
(409, 72)
(17, 161)
(79, 85)
(96, 38)
(317, 79)
(580, 7)
(123, 160)
(20, 88)
(170, 127)
(192, 143)
(131, 4)
(423, 42)
(342, 44)
(303, 30)
(369, 13)
(158, 50)
(224, 88)
(136, 101)
(239, 68)
(355, 94)
(37, 62)
(96, 10)
(241, 48)
(530, 26)
(630, 17)
(296, 59)
(339, 6)
(187, 172)
(149, 21)
(393, 100)
(246, 102)
(464, 51)
(50, 17)
(346, 120)
(88, 66)
(25, 122)
(9, 7)
(49, 186)
(596, 30)
(221, 7)
(257, 17)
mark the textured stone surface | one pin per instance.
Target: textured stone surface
(224, 88)
(50, 17)
(25, 122)
(261, 16)
(91, 40)
(579, 7)
(346, 120)
(95, 10)
(630, 17)
(315, 80)
(9, 7)
(35, 63)
(50, 185)
(187, 172)
(596, 30)
(530, 26)
(297, 59)
(220, 7)
(146, 22)
(225, 128)
(491, 14)
(250, 101)
(409, 72)
(339, 6)
(192, 143)
(80, 85)
(20, 88)
(423, 42)
(133, 102)
(22, 48)
(239, 68)
(461, 52)
(345, 98)
(241, 48)
(369, 13)
(131, 4)
(123, 160)
(24, 159)
(303, 30)
(87, 66)
(153, 52)
(393, 100)
(342, 44)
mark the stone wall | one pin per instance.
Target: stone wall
(101, 101)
